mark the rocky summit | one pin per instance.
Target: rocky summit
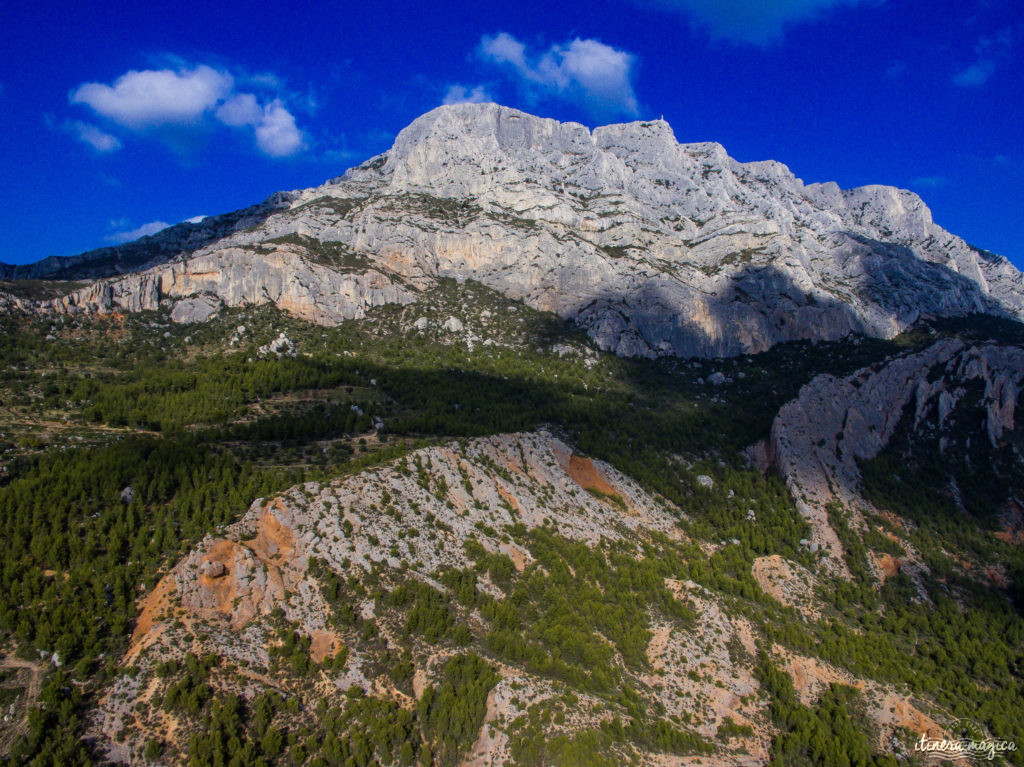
(651, 246)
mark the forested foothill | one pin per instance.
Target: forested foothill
(125, 439)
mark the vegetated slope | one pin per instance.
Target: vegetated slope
(702, 604)
(574, 586)
(652, 247)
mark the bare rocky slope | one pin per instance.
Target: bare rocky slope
(653, 247)
(309, 562)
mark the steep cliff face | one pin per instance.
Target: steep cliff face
(652, 246)
(818, 439)
(237, 277)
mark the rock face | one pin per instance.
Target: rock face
(817, 439)
(652, 246)
(198, 309)
(238, 276)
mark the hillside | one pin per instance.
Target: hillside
(465, 498)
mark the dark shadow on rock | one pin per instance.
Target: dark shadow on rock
(762, 306)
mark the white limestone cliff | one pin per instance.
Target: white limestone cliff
(652, 246)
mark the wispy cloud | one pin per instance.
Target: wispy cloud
(990, 53)
(99, 140)
(193, 96)
(463, 94)
(759, 22)
(588, 72)
(133, 234)
(929, 182)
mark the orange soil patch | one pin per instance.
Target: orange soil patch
(745, 632)
(158, 601)
(893, 519)
(896, 711)
(656, 647)
(678, 589)
(325, 644)
(967, 566)
(223, 588)
(995, 577)
(886, 564)
(811, 676)
(117, 319)
(273, 540)
(518, 556)
(586, 476)
(510, 498)
(419, 682)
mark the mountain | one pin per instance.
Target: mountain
(519, 444)
(651, 246)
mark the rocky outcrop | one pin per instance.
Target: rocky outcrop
(198, 309)
(242, 276)
(223, 596)
(818, 438)
(652, 246)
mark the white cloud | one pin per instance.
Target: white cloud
(990, 53)
(760, 22)
(143, 231)
(273, 125)
(930, 182)
(156, 97)
(191, 96)
(461, 94)
(276, 133)
(193, 220)
(99, 140)
(585, 71)
(241, 109)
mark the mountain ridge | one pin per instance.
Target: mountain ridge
(651, 246)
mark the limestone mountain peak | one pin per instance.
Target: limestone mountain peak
(652, 246)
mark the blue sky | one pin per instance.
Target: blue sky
(122, 117)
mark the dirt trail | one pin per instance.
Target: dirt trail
(11, 731)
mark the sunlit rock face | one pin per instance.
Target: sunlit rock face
(652, 246)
